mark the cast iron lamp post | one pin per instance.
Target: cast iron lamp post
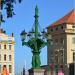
(36, 41)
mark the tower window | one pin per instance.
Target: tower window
(5, 57)
(4, 46)
(9, 57)
(10, 69)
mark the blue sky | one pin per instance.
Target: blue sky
(49, 12)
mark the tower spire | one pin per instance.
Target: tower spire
(36, 22)
(36, 11)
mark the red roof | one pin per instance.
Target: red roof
(69, 19)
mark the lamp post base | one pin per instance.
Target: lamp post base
(36, 71)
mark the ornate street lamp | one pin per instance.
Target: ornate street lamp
(23, 35)
(36, 41)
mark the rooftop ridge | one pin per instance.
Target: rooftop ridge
(68, 18)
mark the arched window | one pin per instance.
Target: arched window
(10, 47)
(0, 68)
(10, 68)
(4, 46)
(4, 66)
(9, 57)
(0, 46)
(0, 57)
(5, 57)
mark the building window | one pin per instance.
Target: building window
(10, 69)
(0, 68)
(73, 40)
(4, 66)
(73, 26)
(62, 41)
(4, 46)
(56, 41)
(5, 57)
(10, 47)
(74, 56)
(56, 28)
(62, 27)
(56, 59)
(9, 57)
(0, 57)
(0, 46)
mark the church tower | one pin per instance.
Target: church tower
(6, 52)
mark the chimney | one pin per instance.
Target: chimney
(12, 34)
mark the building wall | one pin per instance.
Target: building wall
(70, 47)
(67, 33)
(7, 40)
(59, 42)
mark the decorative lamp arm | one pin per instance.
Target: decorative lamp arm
(24, 43)
(43, 45)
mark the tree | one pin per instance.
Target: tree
(7, 5)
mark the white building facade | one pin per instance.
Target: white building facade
(6, 52)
